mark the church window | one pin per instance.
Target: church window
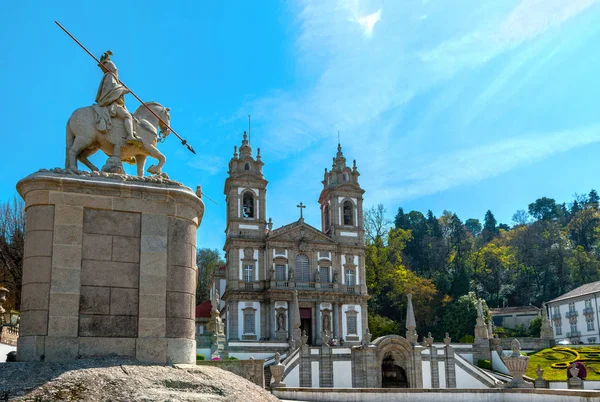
(348, 212)
(326, 217)
(324, 274)
(351, 323)
(248, 273)
(248, 205)
(247, 166)
(350, 281)
(302, 269)
(574, 329)
(249, 327)
(346, 177)
(280, 272)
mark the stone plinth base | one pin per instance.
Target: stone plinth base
(109, 268)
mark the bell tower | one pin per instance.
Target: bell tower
(342, 202)
(245, 191)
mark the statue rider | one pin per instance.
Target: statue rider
(111, 97)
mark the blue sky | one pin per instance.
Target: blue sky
(457, 105)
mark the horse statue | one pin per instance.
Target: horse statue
(84, 139)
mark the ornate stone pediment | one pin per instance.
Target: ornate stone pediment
(301, 234)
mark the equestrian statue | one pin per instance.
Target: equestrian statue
(107, 125)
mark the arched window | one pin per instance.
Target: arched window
(302, 269)
(248, 205)
(346, 177)
(247, 166)
(326, 217)
(348, 212)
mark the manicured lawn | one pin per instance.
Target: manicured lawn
(555, 361)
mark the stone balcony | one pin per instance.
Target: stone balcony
(588, 311)
(571, 313)
(258, 286)
(556, 316)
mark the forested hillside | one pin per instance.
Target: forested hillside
(445, 262)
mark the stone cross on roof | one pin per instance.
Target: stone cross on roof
(301, 206)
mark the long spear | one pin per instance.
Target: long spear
(183, 142)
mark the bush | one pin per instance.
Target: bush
(200, 357)
(467, 339)
(231, 358)
(501, 332)
(380, 325)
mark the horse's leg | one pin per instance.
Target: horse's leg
(140, 160)
(155, 153)
(79, 144)
(83, 158)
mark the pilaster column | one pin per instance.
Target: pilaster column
(336, 321)
(318, 329)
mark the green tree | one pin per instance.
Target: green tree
(381, 326)
(489, 227)
(461, 315)
(12, 245)
(473, 226)
(376, 223)
(544, 209)
(207, 260)
(521, 217)
(535, 327)
(593, 199)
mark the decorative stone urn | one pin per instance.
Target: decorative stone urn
(277, 370)
(517, 365)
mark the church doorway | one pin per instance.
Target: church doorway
(306, 323)
(392, 375)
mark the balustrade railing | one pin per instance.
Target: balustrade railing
(588, 310)
(571, 313)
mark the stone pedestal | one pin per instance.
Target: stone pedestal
(281, 335)
(109, 267)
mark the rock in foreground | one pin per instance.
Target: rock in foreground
(122, 380)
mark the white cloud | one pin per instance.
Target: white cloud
(360, 84)
(368, 22)
(474, 164)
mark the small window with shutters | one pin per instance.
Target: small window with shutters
(302, 269)
(324, 274)
(279, 272)
(249, 322)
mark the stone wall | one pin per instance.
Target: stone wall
(109, 268)
(528, 343)
(426, 395)
(251, 370)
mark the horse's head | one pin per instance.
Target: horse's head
(164, 129)
(159, 110)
